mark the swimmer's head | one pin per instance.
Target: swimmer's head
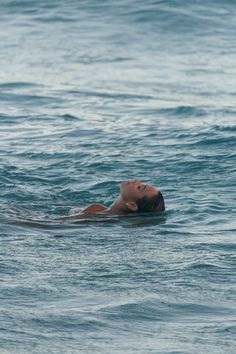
(141, 198)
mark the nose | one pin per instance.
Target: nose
(137, 181)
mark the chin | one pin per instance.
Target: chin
(123, 186)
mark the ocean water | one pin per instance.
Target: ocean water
(93, 93)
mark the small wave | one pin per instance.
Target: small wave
(207, 266)
(205, 270)
(55, 18)
(225, 128)
(185, 111)
(231, 330)
(112, 95)
(88, 60)
(29, 99)
(20, 85)
(69, 117)
(155, 310)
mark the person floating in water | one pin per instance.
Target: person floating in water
(135, 197)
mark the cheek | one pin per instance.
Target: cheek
(129, 193)
(135, 193)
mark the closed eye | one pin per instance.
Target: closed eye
(141, 186)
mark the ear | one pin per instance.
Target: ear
(132, 206)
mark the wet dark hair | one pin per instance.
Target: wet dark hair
(155, 203)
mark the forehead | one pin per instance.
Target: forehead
(151, 190)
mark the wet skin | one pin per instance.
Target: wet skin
(130, 192)
(133, 190)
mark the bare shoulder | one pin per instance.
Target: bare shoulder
(94, 208)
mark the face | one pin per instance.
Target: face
(133, 190)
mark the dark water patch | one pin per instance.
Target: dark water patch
(217, 141)
(80, 132)
(114, 95)
(227, 128)
(161, 311)
(213, 273)
(88, 60)
(208, 267)
(28, 99)
(229, 246)
(25, 120)
(183, 111)
(231, 330)
(54, 18)
(149, 221)
(10, 268)
(26, 293)
(20, 85)
(26, 7)
(70, 118)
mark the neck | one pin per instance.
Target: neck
(119, 206)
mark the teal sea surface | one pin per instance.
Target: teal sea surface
(93, 93)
